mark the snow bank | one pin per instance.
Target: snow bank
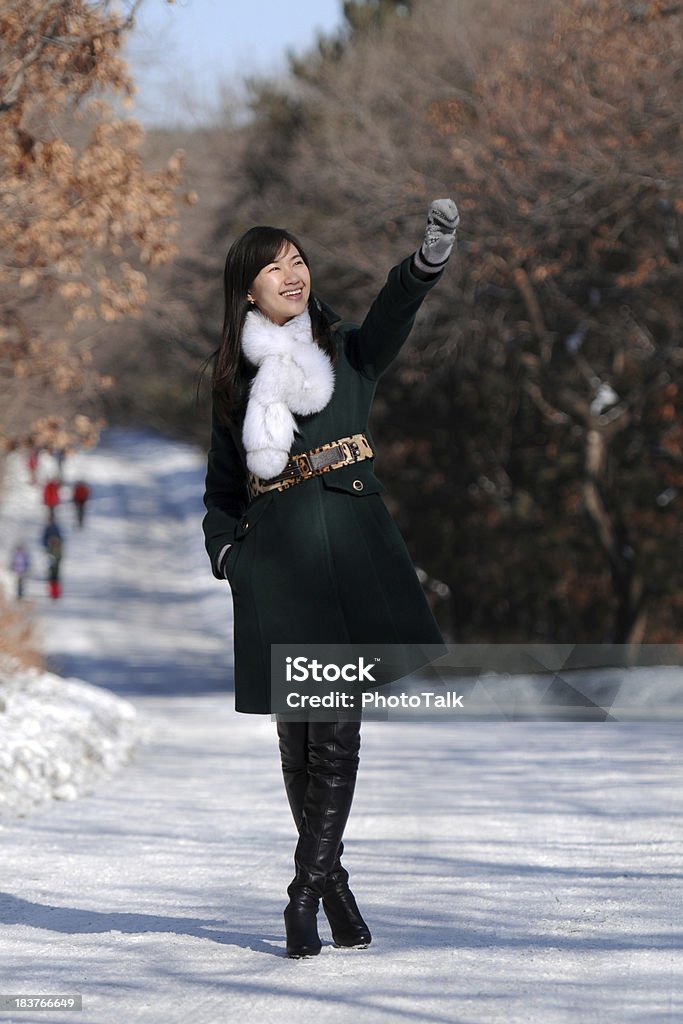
(58, 737)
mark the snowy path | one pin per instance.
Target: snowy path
(526, 874)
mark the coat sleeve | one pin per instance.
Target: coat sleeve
(371, 347)
(225, 495)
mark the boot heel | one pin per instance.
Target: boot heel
(347, 924)
(301, 925)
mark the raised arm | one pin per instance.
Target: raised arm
(375, 344)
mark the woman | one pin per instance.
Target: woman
(296, 524)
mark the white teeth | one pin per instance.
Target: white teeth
(297, 292)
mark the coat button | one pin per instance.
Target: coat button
(357, 485)
(245, 524)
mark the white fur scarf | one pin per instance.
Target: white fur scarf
(294, 376)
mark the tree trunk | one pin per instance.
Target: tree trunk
(627, 583)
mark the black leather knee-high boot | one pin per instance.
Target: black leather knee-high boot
(346, 922)
(319, 764)
(293, 739)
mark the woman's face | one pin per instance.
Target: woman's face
(282, 289)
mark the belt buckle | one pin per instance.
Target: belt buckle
(301, 466)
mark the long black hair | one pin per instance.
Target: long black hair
(246, 258)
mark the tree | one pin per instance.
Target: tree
(80, 217)
(363, 15)
(575, 157)
(531, 428)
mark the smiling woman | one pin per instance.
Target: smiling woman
(282, 289)
(296, 523)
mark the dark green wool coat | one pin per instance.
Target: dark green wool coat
(323, 561)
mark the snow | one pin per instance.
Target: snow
(515, 873)
(58, 737)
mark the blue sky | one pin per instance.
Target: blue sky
(180, 53)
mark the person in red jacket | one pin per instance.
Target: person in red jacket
(51, 495)
(32, 464)
(81, 496)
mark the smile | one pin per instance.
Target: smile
(294, 294)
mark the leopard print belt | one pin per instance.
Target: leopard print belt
(324, 459)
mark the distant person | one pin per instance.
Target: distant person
(81, 496)
(51, 494)
(59, 455)
(32, 464)
(52, 530)
(20, 563)
(296, 523)
(54, 562)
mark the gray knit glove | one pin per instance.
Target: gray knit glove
(442, 221)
